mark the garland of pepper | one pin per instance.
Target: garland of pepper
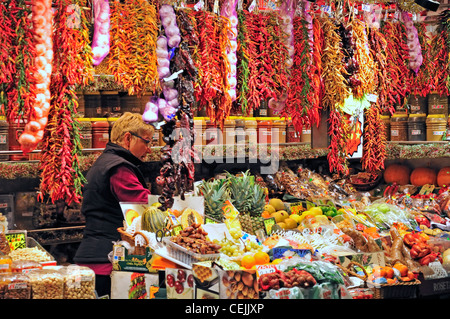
(211, 88)
(421, 84)
(62, 178)
(374, 145)
(297, 104)
(17, 55)
(243, 72)
(397, 65)
(132, 57)
(440, 47)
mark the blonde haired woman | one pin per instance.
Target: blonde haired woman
(114, 177)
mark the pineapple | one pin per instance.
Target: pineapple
(249, 199)
(215, 193)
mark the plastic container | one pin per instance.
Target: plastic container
(251, 131)
(437, 104)
(417, 127)
(240, 131)
(15, 286)
(399, 127)
(110, 102)
(86, 132)
(24, 266)
(229, 133)
(436, 127)
(5, 263)
(129, 103)
(263, 109)
(79, 282)
(305, 137)
(292, 136)
(264, 131)
(186, 256)
(46, 284)
(14, 132)
(4, 138)
(387, 126)
(279, 132)
(100, 132)
(92, 104)
(418, 104)
(212, 135)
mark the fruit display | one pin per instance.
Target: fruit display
(194, 239)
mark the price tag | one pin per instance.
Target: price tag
(297, 207)
(372, 98)
(268, 224)
(176, 230)
(16, 239)
(216, 7)
(199, 5)
(365, 7)
(272, 5)
(252, 6)
(240, 4)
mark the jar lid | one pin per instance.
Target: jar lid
(418, 115)
(399, 115)
(436, 116)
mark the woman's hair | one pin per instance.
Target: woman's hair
(129, 122)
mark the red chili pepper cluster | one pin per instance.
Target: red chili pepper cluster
(61, 146)
(299, 103)
(337, 156)
(17, 54)
(440, 47)
(211, 89)
(397, 62)
(422, 83)
(374, 147)
(419, 249)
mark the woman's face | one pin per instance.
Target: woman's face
(139, 145)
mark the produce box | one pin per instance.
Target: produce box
(238, 284)
(124, 261)
(180, 284)
(430, 287)
(184, 256)
(135, 285)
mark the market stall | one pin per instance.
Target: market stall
(300, 149)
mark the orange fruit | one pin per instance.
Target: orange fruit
(389, 272)
(265, 214)
(261, 258)
(402, 268)
(378, 272)
(248, 261)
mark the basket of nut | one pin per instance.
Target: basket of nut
(191, 245)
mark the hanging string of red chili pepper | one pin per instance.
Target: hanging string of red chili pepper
(19, 49)
(378, 44)
(440, 48)
(374, 145)
(211, 89)
(7, 64)
(315, 74)
(397, 62)
(421, 83)
(62, 178)
(242, 63)
(297, 104)
(132, 57)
